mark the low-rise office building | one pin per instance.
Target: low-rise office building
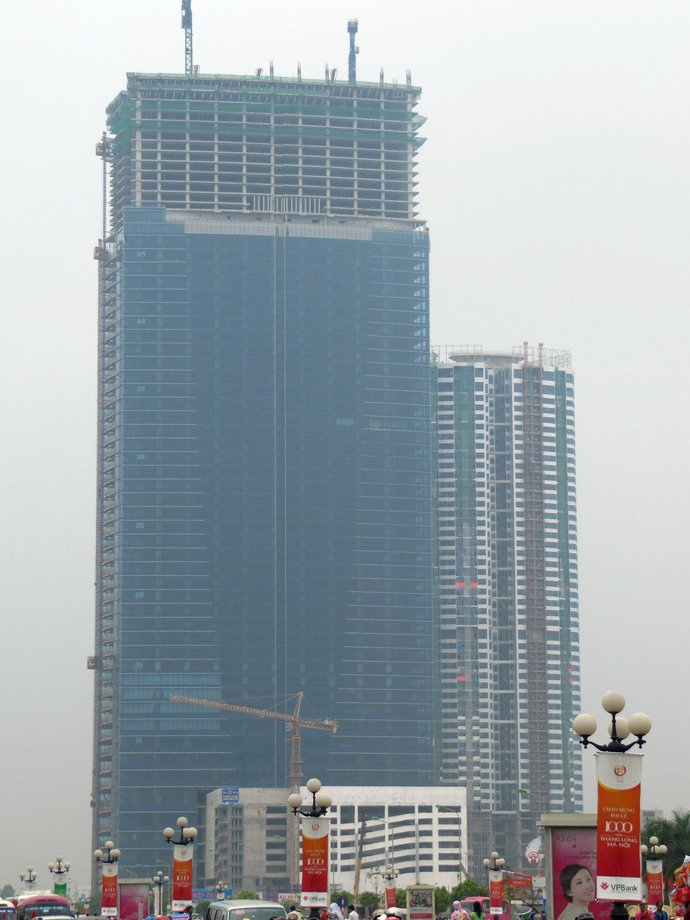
(420, 831)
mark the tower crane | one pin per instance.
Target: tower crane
(296, 724)
(187, 26)
(295, 721)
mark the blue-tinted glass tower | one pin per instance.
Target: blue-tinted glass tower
(264, 507)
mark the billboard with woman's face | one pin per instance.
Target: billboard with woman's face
(574, 869)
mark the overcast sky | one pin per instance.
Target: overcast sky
(556, 184)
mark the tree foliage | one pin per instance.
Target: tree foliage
(675, 833)
(443, 898)
(7, 891)
(368, 900)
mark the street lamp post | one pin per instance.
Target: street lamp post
(315, 838)
(183, 851)
(108, 857)
(620, 728)
(59, 868)
(158, 880)
(494, 865)
(655, 869)
(389, 874)
(28, 877)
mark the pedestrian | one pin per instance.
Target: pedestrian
(660, 913)
(352, 913)
(643, 912)
(476, 911)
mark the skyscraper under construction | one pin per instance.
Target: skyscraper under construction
(509, 615)
(264, 464)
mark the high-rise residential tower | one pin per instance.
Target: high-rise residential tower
(507, 561)
(264, 507)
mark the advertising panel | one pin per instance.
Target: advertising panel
(314, 862)
(391, 897)
(109, 890)
(573, 868)
(618, 826)
(182, 876)
(420, 902)
(655, 881)
(495, 891)
(134, 899)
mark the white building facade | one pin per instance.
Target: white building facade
(418, 831)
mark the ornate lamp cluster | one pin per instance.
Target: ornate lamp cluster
(220, 890)
(187, 833)
(60, 867)
(389, 873)
(494, 862)
(620, 728)
(28, 877)
(655, 850)
(159, 879)
(109, 853)
(321, 801)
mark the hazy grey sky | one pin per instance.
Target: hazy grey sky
(556, 184)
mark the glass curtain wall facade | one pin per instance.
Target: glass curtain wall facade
(264, 513)
(507, 558)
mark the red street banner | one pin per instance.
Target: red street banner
(391, 897)
(655, 881)
(521, 881)
(495, 891)
(109, 890)
(314, 862)
(618, 827)
(182, 876)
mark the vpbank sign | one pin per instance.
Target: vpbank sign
(610, 885)
(618, 826)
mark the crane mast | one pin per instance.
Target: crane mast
(187, 26)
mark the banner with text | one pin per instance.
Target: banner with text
(314, 862)
(495, 891)
(655, 881)
(182, 876)
(391, 897)
(618, 826)
(109, 890)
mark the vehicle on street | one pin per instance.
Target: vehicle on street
(7, 910)
(234, 909)
(44, 905)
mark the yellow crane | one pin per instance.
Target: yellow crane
(295, 721)
(296, 724)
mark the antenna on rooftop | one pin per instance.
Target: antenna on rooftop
(354, 51)
(187, 26)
